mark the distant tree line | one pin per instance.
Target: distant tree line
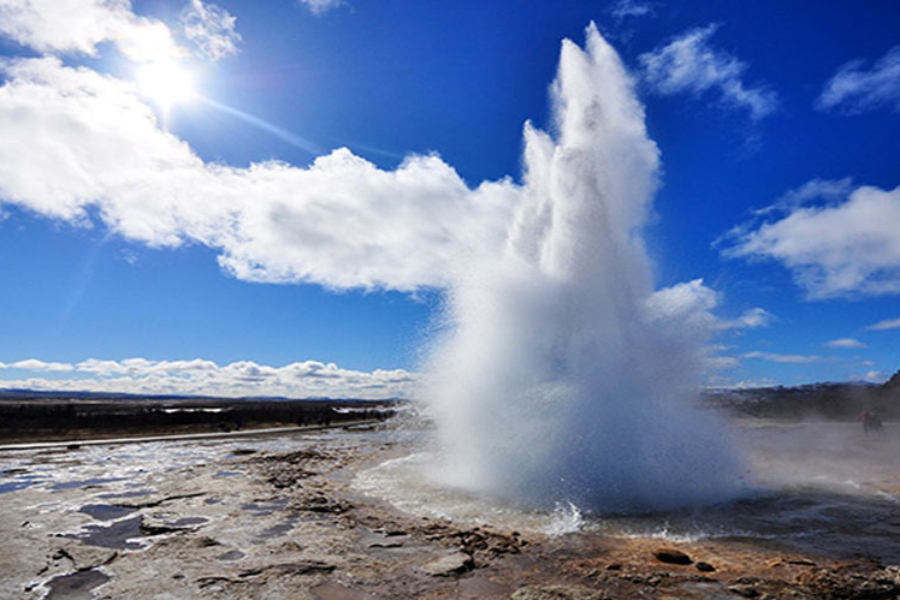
(59, 416)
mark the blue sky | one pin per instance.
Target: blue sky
(223, 243)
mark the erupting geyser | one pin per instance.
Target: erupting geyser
(563, 379)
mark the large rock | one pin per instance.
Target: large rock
(672, 556)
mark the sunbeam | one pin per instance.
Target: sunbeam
(287, 136)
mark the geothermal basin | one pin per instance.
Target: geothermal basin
(358, 513)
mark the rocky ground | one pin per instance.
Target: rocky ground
(281, 520)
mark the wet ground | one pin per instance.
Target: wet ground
(297, 516)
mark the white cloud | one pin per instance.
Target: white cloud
(142, 367)
(211, 29)
(717, 363)
(689, 64)
(74, 139)
(868, 376)
(690, 305)
(845, 343)
(784, 358)
(829, 190)
(855, 89)
(850, 248)
(688, 309)
(750, 319)
(631, 8)
(33, 364)
(79, 26)
(883, 325)
(318, 7)
(80, 146)
(204, 377)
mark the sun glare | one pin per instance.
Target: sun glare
(165, 83)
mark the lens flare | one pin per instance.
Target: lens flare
(166, 83)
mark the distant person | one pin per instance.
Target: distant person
(875, 421)
(871, 421)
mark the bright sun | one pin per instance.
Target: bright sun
(166, 83)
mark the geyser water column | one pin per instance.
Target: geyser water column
(559, 380)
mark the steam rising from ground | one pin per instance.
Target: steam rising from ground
(563, 380)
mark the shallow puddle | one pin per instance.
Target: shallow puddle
(221, 474)
(119, 535)
(106, 512)
(19, 484)
(75, 586)
(188, 521)
(278, 530)
(267, 508)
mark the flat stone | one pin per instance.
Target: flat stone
(452, 564)
(557, 592)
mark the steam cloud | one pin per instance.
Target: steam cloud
(563, 379)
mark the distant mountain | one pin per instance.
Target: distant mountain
(75, 394)
(24, 394)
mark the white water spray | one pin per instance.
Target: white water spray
(559, 381)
